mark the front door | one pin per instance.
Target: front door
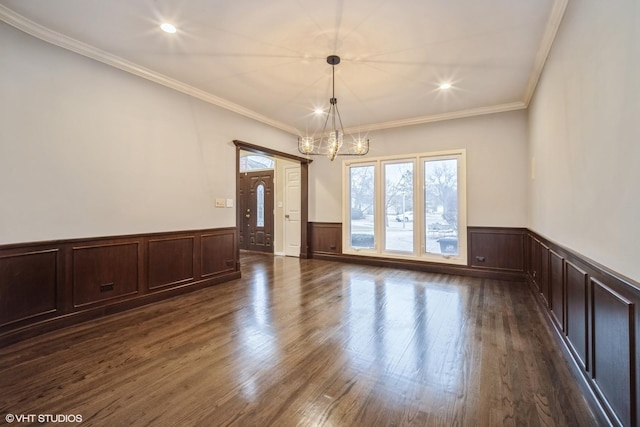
(256, 211)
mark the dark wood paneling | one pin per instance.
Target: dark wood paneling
(48, 285)
(601, 326)
(544, 272)
(105, 272)
(497, 248)
(557, 291)
(534, 261)
(170, 261)
(304, 210)
(614, 350)
(576, 323)
(326, 237)
(28, 285)
(507, 245)
(218, 253)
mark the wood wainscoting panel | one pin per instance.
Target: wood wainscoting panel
(325, 237)
(534, 261)
(49, 285)
(497, 248)
(557, 289)
(614, 350)
(544, 272)
(599, 311)
(500, 251)
(171, 261)
(29, 283)
(105, 272)
(218, 252)
(577, 305)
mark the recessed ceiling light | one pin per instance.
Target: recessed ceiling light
(168, 28)
(444, 86)
(318, 111)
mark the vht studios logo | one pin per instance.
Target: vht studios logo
(43, 418)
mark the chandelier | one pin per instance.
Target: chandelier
(331, 144)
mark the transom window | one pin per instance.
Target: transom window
(252, 162)
(410, 207)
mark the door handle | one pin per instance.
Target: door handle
(286, 216)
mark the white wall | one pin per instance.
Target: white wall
(585, 135)
(88, 150)
(496, 166)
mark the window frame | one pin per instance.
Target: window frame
(419, 205)
(346, 217)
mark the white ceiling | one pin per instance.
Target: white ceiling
(267, 60)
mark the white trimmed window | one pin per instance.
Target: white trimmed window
(410, 207)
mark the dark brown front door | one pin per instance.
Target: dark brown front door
(256, 211)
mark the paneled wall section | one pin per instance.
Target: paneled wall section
(52, 284)
(595, 312)
(494, 252)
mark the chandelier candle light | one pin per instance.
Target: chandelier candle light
(331, 143)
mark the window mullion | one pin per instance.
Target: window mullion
(379, 201)
(418, 190)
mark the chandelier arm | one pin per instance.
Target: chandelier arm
(324, 129)
(339, 118)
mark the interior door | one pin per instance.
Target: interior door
(256, 211)
(292, 213)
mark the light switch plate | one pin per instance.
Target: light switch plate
(229, 203)
(219, 203)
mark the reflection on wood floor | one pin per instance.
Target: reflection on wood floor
(306, 342)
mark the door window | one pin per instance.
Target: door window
(260, 206)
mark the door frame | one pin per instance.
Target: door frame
(304, 191)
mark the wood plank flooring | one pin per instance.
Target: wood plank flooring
(309, 343)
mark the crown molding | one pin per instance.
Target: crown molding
(18, 21)
(21, 23)
(555, 18)
(501, 108)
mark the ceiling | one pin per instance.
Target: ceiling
(267, 60)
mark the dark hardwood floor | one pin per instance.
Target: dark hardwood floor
(311, 343)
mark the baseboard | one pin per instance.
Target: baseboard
(430, 267)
